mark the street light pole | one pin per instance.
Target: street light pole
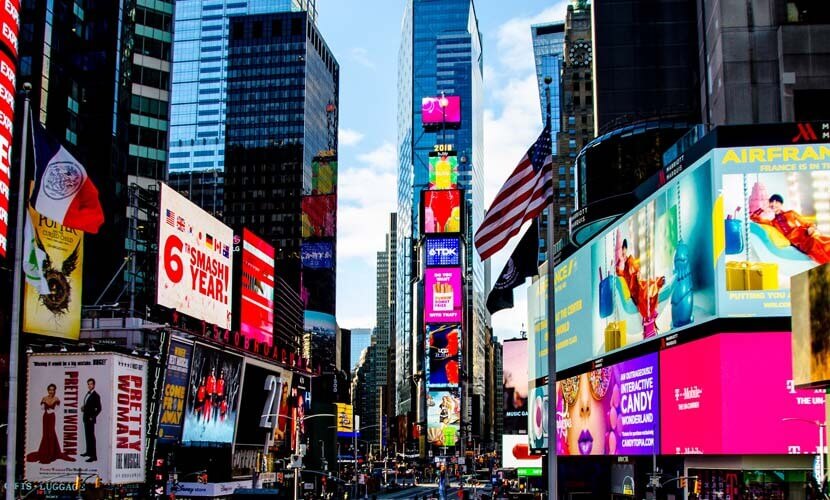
(822, 426)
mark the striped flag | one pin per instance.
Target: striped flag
(524, 195)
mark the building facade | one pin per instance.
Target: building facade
(360, 341)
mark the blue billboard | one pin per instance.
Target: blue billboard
(318, 255)
(440, 252)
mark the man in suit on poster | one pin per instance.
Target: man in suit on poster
(90, 409)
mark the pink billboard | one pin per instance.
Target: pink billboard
(732, 394)
(442, 295)
(441, 110)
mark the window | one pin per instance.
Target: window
(276, 27)
(296, 27)
(257, 29)
(238, 30)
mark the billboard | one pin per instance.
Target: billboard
(263, 393)
(213, 397)
(443, 354)
(713, 390)
(537, 357)
(319, 216)
(811, 326)
(433, 114)
(442, 302)
(86, 414)
(322, 329)
(514, 370)
(8, 88)
(612, 410)
(515, 452)
(443, 417)
(323, 175)
(443, 170)
(61, 253)
(175, 391)
(345, 419)
(317, 255)
(256, 315)
(194, 263)
(650, 274)
(442, 251)
(772, 221)
(441, 211)
(10, 21)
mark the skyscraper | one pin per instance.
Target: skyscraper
(440, 51)
(361, 339)
(548, 44)
(385, 321)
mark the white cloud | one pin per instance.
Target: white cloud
(361, 56)
(515, 46)
(348, 137)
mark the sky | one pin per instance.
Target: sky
(364, 36)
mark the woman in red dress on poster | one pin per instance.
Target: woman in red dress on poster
(50, 447)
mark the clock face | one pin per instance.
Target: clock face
(580, 54)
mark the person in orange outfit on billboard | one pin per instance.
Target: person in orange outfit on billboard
(644, 292)
(800, 232)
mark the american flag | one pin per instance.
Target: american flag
(524, 195)
(170, 217)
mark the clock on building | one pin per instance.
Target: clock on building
(580, 54)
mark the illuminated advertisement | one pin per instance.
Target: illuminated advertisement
(443, 170)
(514, 370)
(194, 260)
(263, 393)
(612, 410)
(176, 379)
(323, 175)
(53, 307)
(710, 406)
(322, 329)
(443, 353)
(434, 114)
(213, 397)
(443, 291)
(650, 274)
(345, 419)
(772, 221)
(10, 23)
(86, 414)
(443, 417)
(442, 252)
(537, 358)
(811, 326)
(257, 284)
(442, 211)
(8, 86)
(318, 255)
(515, 452)
(319, 216)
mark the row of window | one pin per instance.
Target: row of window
(148, 107)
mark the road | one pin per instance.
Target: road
(428, 491)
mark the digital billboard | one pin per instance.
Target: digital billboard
(443, 170)
(537, 357)
(176, 379)
(263, 391)
(195, 265)
(256, 315)
(213, 397)
(53, 307)
(86, 414)
(514, 375)
(345, 419)
(811, 326)
(319, 216)
(442, 251)
(772, 221)
(650, 274)
(433, 114)
(515, 452)
(10, 24)
(721, 394)
(322, 331)
(443, 354)
(442, 302)
(317, 255)
(441, 211)
(323, 175)
(443, 417)
(8, 88)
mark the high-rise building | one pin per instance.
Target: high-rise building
(197, 111)
(281, 116)
(361, 339)
(440, 51)
(548, 44)
(384, 333)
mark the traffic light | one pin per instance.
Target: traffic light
(697, 487)
(683, 482)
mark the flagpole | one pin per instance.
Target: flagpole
(553, 471)
(14, 342)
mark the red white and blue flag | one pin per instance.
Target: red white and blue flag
(63, 191)
(524, 195)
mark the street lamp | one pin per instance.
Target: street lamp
(821, 429)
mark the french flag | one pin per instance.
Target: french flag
(63, 191)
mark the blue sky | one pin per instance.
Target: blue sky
(364, 36)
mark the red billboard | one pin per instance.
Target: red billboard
(7, 90)
(257, 304)
(10, 25)
(319, 216)
(442, 211)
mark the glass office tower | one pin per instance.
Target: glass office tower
(440, 51)
(548, 44)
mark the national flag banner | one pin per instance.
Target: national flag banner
(209, 241)
(524, 195)
(170, 217)
(63, 191)
(523, 263)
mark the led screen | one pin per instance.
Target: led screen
(811, 326)
(514, 376)
(257, 305)
(730, 393)
(323, 175)
(772, 221)
(322, 331)
(443, 170)
(537, 357)
(213, 397)
(8, 85)
(444, 348)
(263, 391)
(319, 216)
(442, 295)
(612, 410)
(442, 211)
(318, 255)
(442, 252)
(443, 417)
(516, 453)
(432, 113)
